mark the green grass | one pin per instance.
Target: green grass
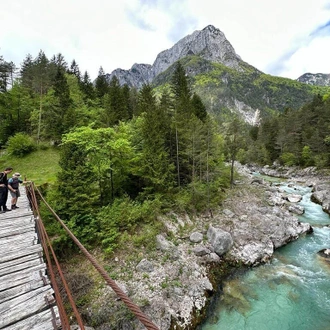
(40, 166)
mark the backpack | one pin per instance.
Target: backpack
(14, 182)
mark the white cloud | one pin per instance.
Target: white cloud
(318, 50)
(275, 37)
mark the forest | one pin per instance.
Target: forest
(128, 156)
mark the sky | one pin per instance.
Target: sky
(284, 38)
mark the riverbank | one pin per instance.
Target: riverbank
(291, 291)
(173, 284)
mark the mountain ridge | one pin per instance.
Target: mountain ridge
(319, 79)
(223, 80)
(210, 43)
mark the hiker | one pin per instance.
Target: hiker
(13, 186)
(4, 189)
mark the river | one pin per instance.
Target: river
(292, 292)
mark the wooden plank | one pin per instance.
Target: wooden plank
(14, 262)
(16, 246)
(4, 223)
(16, 265)
(16, 214)
(17, 231)
(29, 238)
(21, 289)
(21, 253)
(25, 305)
(42, 321)
(25, 276)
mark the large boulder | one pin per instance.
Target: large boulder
(220, 240)
(321, 195)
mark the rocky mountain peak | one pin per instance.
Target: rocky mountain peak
(320, 79)
(209, 43)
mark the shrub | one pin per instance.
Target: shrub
(123, 215)
(288, 159)
(307, 156)
(20, 145)
(321, 160)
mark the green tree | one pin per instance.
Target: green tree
(110, 157)
(74, 69)
(198, 108)
(26, 72)
(59, 116)
(101, 84)
(156, 167)
(115, 105)
(182, 115)
(87, 87)
(233, 143)
(41, 83)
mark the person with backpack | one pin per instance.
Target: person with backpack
(13, 185)
(4, 189)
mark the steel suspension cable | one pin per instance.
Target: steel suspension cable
(63, 316)
(120, 293)
(65, 284)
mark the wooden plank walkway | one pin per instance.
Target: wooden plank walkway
(26, 297)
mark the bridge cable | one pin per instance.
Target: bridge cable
(44, 240)
(120, 293)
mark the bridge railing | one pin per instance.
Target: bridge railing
(32, 190)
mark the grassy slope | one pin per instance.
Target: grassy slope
(40, 166)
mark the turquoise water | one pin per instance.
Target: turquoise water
(292, 292)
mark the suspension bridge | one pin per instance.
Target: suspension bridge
(31, 276)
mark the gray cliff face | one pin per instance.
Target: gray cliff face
(319, 79)
(138, 75)
(209, 43)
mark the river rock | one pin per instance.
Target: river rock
(201, 250)
(196, 237)
(294, 198)
(297, 209)
(164, 245)
(321, 195)
(254, 253)
(220, 240)
(145, 266)
(325, 255)
(228, 213)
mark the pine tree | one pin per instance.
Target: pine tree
(6, 74)
(58, 118)
(73, 202)
(74, 69)
(156, 168)
(234, 141)
(128, 101)
(41, 83)
(118, 106)
(181, 121)
(87, 87)
(26, 72)
(101, 84)
(198, 108)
